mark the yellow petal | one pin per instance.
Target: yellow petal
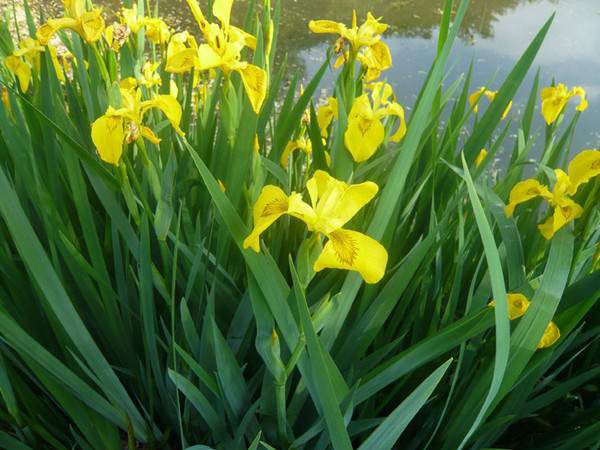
(336, 202)
(582, 168)
(524, 191)
(182, 61)
(21, 69)
(480, 157)
(149, 134)
(74, 8)
(237, 34)
(554, 100)
(255, 84)
(108, 136)
(351, 250)
(474, 99)
(326, 113)
(170, 108)
(197, 13)
(326, 26)
(271, 204)
(517, 305)
(364, 135)
(551, 335)
(208, 58)
(56, 63)
(394, 109)
(92, 25)
(222, 11)
(565, 211)
(157, 31)
(580, 92)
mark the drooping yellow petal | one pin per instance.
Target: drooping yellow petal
(255, 84)
(74, 8)
(524, 191)
(474, 99)
(21, 69)
(554, 99)
(517, 305)
(578, 91)
(149, 134)
(351, 250)
(336, 202)
(550, 336)
(375, 59)
(582, 168)
(222, 11)
(326, 113)
(299, 144)
(170, 108)
(182, 61)
(92, 25)
(480, 157)
(394, 109)
(108, 137)
(271, 204)
(365, 132)
(565, 211)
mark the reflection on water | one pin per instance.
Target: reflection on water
(494, 35)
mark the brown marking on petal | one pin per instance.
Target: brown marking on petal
(596, 164)
(344, 247)
(277, 206)
(533, 191)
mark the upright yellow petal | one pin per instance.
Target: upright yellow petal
(255, 84)
(582, 168)
(271, 204)
(74, 8)
(200, 19)
(336, 202)
(108, 136)
(550, 336)
(56, 63)
(554, 99)
(222, 11)
(480, 157)
(524, 191)
(474, 98)
(351, 250)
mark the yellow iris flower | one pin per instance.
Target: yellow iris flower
(222, 49)
(365, 131)
(157, 31)
(365, 35)
(555, 98)
(582, 168)
(518, 305)
(333, 204)
(490, 95)
(5, 99)
(26, 58)
(363, 42)
(131, 18)
(87, 24)
(124, 125)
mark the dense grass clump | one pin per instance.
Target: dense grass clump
(195, 253)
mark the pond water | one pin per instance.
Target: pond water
(494, 35)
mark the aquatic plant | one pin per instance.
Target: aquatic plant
(174, 273)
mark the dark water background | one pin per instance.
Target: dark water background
(494, 35)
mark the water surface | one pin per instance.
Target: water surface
(494, 35)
